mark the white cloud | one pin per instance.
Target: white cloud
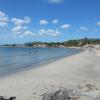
(23, 21)
(18, 30)
(53, 32)
(22, 31)
(3, 19)
(42, 31)
(55, 21)
(21, 36)
(49, 32)
(82, 28)
(98, 23)
(55, 1)
(65, 26)
(43, 22)
(29, 33)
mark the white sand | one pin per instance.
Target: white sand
(31, 84)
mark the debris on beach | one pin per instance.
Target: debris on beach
(10, 98)
(57, 95)
(84, 92)
(88, 87)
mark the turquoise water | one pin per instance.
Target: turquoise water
(16, 59)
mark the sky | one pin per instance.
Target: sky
(24, 21)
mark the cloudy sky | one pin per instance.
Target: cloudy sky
(48, 20)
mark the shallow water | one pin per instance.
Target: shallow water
(14, 59)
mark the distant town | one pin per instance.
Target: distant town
(69, 43)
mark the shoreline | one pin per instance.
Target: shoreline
(67, 72)
(38, 64)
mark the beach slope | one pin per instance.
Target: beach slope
(64, 73)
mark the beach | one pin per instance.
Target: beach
(82, 68)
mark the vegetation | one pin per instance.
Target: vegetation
(69, 43)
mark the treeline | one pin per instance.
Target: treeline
(69, 43)
(47, 44)
(82, 42)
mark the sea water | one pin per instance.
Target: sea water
(15, 59)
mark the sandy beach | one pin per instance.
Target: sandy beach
(72, 71)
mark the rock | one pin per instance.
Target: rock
(57, 95)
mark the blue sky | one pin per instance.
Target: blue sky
(48, 20)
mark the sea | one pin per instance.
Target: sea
(13, 59)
